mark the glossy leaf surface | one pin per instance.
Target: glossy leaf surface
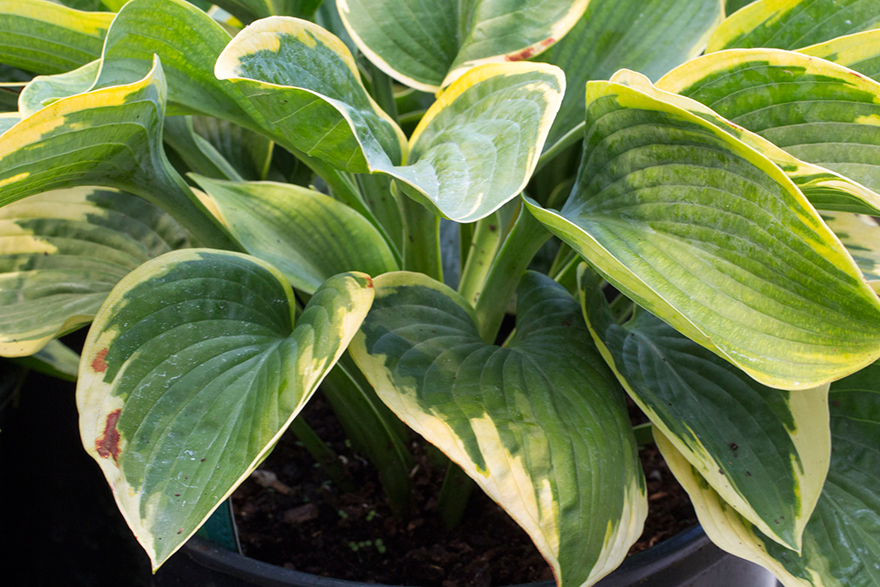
(764, 450)
(62, 252)
(428, 45)
(861, 236)
(193, 352)
(540, 424)
(859, 52)
(842, 539)
(714, 239)
(308, 236)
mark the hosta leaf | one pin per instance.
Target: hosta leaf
(8, 120)
(859, 52)
(308, 236)
(478, 144)
(764, 450)
(187, 42)
(248, 10)
(45, 89)
(196, 154)
(731, 6)
(861, 236)
(45, 37)
(110, 137)
(305, 83)
(714, 239)
(540, 425)
(62, 252)
(815, 110)
(649, 37)
(824, 188)
(792, 24)
(193, 353)
(428, 45)
(842, 539)
(250, 153)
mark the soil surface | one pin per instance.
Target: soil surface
(300, 520)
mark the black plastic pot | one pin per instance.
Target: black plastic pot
(686, 560)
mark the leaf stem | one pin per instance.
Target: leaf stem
(421, 238)
(486, 240)
(322, 453)
(520, 246)
(454, 495)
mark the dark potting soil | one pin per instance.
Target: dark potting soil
(302, 521)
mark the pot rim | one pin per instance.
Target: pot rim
(670, 552)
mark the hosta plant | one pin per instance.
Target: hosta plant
(246, 201)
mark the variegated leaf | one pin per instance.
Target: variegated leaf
(430, 45)
(859, 52)
(817, 111)
(193, 353)
(43, 90)
(713, 238)
(55, 359)
(308, 236)
(765, 451)
(792, 24)
(539, 424)
(110, 137)
(842, 540)
(62, 252)
(47, 37)
(248, 10)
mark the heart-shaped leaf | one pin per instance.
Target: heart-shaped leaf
(714, 239)
(842, 539)
(62, 252)
(764, 450)
(651, 38)
(305, 85)
(792, 24)
(817, 111)
(191, 372)
(478, 144)
(430, 45)
(308, 236)
(47, 37)
(540, 425)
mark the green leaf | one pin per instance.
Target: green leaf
(815, 110)
(792, 24)
(195, 152)
(8, 120)
(859, 52)
(55, 359)
(248, 10)
(842, 539)
(62, 252)
(195, 354)
(250, 153)
(45, 37)
(305, 85)
(478, 144)
(651, 38)
(710, 236)
(540, 425)
(732, 6)
(861, 236)
(429, 45)
(765, 451)
(308, 236)
(110, 137)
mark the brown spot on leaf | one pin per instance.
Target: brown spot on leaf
(492, 228)
(98, 364)
(369, 282)
(733, 446)
(547, 42)
(107, 444)
(521, 55)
